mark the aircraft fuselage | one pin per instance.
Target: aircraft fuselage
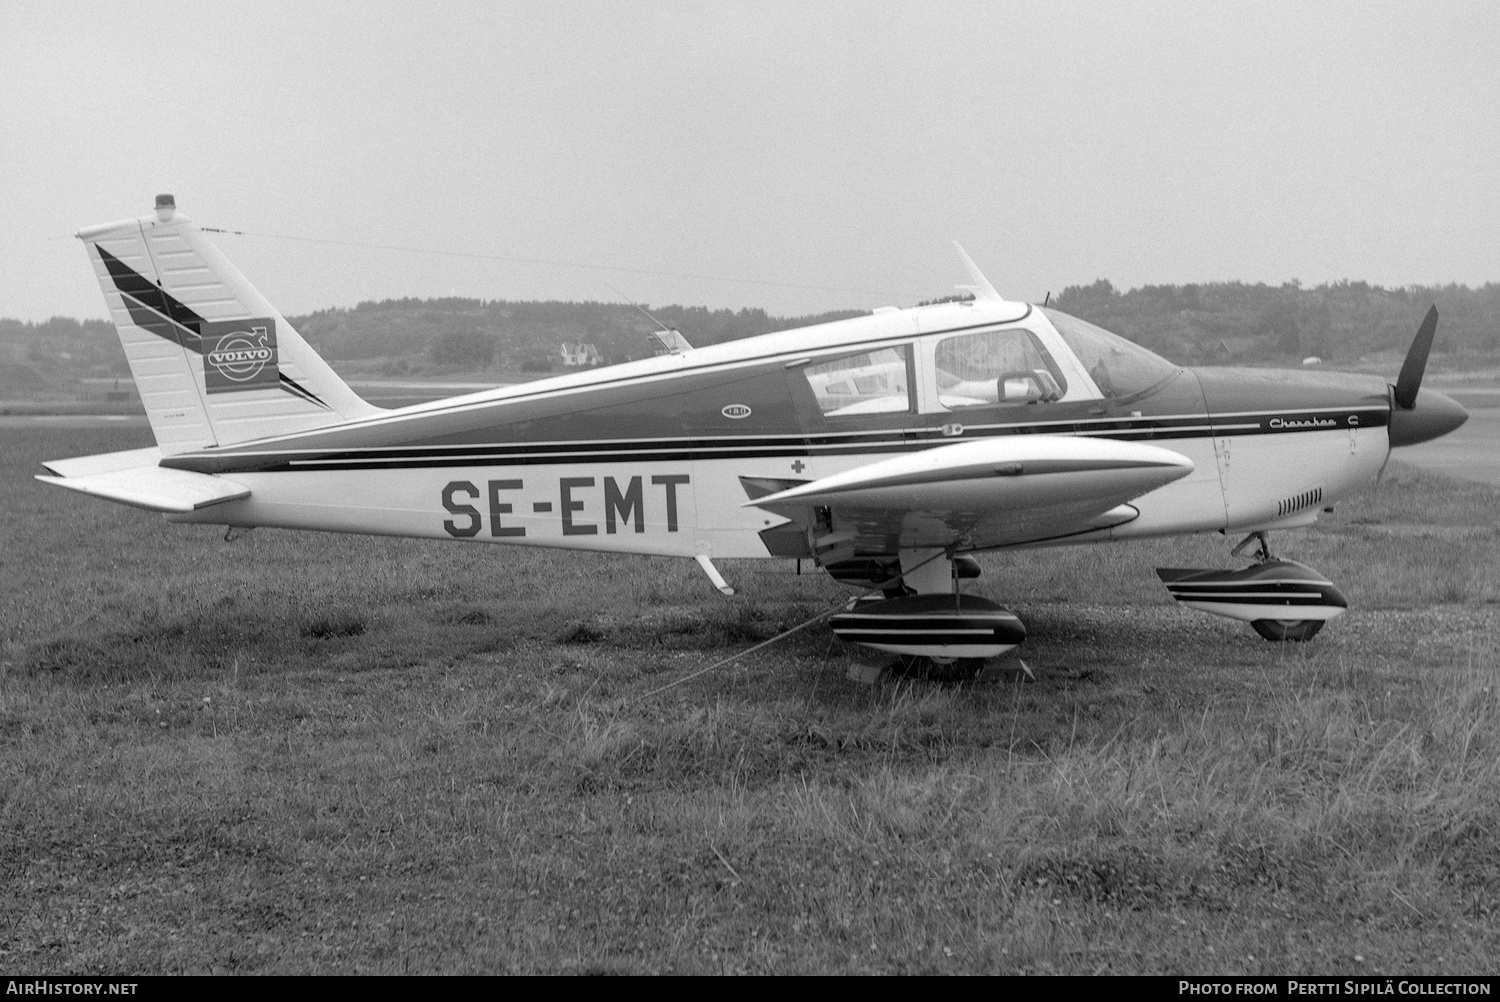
(650, 457)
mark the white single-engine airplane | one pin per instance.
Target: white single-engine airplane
(885, 448)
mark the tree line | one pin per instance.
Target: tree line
(1341, 322)
(1208, 323)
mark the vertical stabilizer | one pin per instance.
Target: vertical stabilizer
(215, 363)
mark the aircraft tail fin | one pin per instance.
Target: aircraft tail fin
(215, 363)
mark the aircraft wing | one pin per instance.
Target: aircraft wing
(983, 493)
(134, 478)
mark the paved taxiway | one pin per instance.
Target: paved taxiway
(1470, 453)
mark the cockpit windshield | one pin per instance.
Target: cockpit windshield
(1118, 367)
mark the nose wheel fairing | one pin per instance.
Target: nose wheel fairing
(1283, 600)
(1271, 589)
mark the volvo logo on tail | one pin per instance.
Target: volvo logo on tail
(240, 355)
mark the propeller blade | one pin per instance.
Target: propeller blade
(1410, 380)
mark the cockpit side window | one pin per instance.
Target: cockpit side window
(872, 382)
(1118, 367)
(991, 368)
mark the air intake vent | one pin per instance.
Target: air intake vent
(1299, 502)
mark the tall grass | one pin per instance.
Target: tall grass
(300, 753)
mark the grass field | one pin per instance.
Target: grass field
(299, 753)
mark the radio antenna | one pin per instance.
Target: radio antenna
(630, 302)
(670, 338)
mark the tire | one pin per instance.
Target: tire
(930, 670)
(1297, 631)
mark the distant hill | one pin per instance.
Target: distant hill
(1343, 323)
(1349, 324)
(48, 359)
(435, 335)
(407, 338)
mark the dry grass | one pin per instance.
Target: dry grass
(299, 753)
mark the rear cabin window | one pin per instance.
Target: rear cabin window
(994, 368)
(872, 382)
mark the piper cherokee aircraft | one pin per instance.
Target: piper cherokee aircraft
(885, 448)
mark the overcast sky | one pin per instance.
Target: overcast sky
(833, 145)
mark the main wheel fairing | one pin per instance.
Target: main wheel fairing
(932, 626)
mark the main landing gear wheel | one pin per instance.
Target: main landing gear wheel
(947, 670)
(1298, 631)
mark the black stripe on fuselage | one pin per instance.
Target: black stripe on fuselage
(1133, 429)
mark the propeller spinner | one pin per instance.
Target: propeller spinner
(1439, 413)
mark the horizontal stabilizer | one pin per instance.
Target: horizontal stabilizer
(142, 484)
(104, 462)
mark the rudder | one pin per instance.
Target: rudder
(214, 362)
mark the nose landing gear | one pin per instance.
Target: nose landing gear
(1282, 600)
